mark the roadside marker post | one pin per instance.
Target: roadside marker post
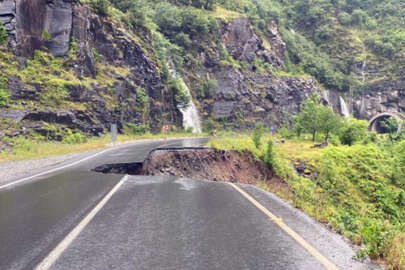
(114, 132)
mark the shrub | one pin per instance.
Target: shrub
(399, 170)
(100, 6)
(181, 96)
(353, 130)
(75, 138)
(270, 157)
(209, 125)
(142, 98)
(344, 18)
(3, 34)
(137, 129)
(285, 132)
(4, 97)
(45, 35)
(257, 135)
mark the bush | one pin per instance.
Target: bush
(46, 36)
(353, 130)
(257, 135)
(3, 34)
(75, 138)
(181, 96)
(344, 18)
(142, 98)
(4, 97)
(285, 132)
(100, 6)
(270, 157)
(209, 125)
(137, 129)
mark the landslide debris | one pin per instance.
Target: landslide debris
(201, 163)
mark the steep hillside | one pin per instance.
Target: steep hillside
(69, 65)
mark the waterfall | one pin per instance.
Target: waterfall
(343, 107)
(191, 118)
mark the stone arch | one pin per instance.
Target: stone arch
(374, 122)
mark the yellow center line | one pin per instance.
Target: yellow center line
(329, 265)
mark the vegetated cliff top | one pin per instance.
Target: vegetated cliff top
(345, 45)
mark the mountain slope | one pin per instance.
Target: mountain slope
(86, 64)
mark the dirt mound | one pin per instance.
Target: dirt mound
(209, 164)
(196, 163)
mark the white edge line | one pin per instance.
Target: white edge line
(49, 260)
(13, 183)
(54, 170)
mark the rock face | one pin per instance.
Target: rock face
(245, 45)
(243, 95)
(35, 23)
(368, 104)
(101, 48)
(7, 18)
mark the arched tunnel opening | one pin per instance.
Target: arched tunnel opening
(385, 123)
(381, 125)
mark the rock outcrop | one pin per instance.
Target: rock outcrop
(115, 60)
(244, 95)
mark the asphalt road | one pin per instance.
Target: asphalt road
(155, 223)
(36, 214)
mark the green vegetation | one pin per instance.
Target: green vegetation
(4, 95)
(136, 129)
(3, 35)
(356, 184)
(75, 138)
(100, 6)
(258, 134)
(353, 188)
(32, 148)
(326, 39)
(181, 96)
(46, 36)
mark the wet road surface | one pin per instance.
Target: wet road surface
(35, 215)
(156, 223)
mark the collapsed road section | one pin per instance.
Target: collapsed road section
(196, 163)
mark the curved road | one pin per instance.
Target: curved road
(156, 222)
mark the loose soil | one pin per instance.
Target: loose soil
(197, 163)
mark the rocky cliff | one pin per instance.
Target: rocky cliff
(68, 68)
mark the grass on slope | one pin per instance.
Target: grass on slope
(358, 191)
(30, 149)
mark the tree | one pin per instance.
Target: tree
(329, 121)
(314, 117)
(308, 118)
